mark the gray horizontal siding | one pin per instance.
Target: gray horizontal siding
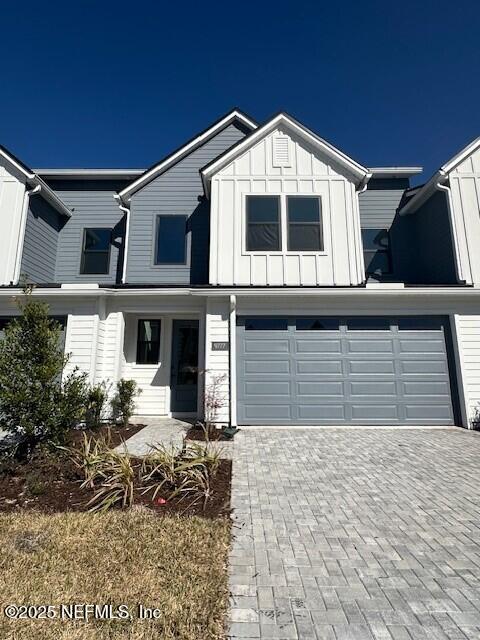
(178, 191)
(93, 206)
(379, 203)
(40, 244)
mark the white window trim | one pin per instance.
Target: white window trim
(283, 251)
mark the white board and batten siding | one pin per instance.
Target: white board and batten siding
(465, 190)
(258, 172)
(467, 328)
(12, 210)
(217, 363)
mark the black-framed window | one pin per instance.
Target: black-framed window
(171, 239)
(305, 232)
(261, 323)
(263, 223)
(148, 341)
(96, 251)
(376, 252)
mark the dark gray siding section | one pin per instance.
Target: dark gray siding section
(379, 203)
(178, 191)
(93, 206)
(41, 241)
(422, 244)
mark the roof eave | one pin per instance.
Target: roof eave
(360, 173)
(183, 151)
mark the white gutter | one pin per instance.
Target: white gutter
(425, 192)
(23, 226)
(126, 210)
(302, 292)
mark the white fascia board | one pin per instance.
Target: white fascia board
(392, 172)
(439, 177)
(34, 180)
(177, 155)
(97, 174)
(361, 173)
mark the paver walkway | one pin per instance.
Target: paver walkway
(356, 534)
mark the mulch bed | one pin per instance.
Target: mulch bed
(50, 482)
(197, 433)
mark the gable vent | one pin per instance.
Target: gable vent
(281, 151)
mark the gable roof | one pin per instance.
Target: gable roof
(360, 173)
(34, 180)
(160, 167)
(440, 176)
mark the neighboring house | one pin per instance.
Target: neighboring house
(323, 292)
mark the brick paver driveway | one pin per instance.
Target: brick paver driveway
(356, 534)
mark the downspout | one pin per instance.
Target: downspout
(461, 276)
(361, 262)
(122, 206)
(23, 226)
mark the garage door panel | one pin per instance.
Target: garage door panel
(374, 388)
(355, 346)
(319, 389)
(420, 388)
(431, 367)
(318, 367)
(429, 413)
(366, 372)
(265, 389)
(266, 346)
(334, 413)
(422, 346)
(267, 366)
(267, 412)
(371, 367)
(318, 346)
(375, 412)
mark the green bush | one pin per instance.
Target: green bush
(123, 402)
(35, 404)
(95, 405)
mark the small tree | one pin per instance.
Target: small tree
(35, 403)
(214, 400)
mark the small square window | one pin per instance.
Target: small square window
(148, 341)
(96, 251)
(171, 240)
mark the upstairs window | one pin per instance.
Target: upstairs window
(171, 240)
(263, 223)
(376, 252)
(148, 342)
(304, 223)
(96, 252)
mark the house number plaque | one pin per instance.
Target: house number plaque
(220, 346)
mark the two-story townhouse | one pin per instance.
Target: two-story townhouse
(317, 291)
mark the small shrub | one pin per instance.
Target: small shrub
(117, 486)
(123, 402)
(188, 471)
(89, 457)
(96, 399)
(35, 484)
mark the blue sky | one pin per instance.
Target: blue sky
(121, 84)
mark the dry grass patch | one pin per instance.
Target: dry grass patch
(135, 557)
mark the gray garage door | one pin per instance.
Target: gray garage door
(372, 371)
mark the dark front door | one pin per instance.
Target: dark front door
(184, 378)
